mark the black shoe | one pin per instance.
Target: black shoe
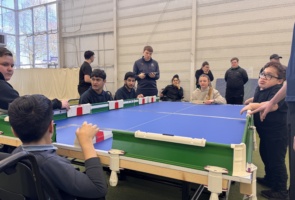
(263, 181)
(275, 195)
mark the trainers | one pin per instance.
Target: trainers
(263, 181)
(278, 195)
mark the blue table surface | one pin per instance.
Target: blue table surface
(216, 123)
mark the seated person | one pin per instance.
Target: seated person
(172, 92)
(96, 94)
(31, 119)
(8, 94)
(206, 94)
(127, 91)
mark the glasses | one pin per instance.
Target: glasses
(267, 76)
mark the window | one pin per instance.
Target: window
(52, 22)
(53, 47)
(31, 31)
(11, 43)
(40, 42)
(7, 4)
(22, 4)
(26, 51)
(39, 19)
(25, 24)
(8, 21)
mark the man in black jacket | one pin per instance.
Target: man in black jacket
(7, 93)
(235, 78)
(96, 94)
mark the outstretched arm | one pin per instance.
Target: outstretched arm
(250, 100)
(254, 106)
(57, 104)
(268, 106)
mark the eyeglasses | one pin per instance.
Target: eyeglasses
(267, 76)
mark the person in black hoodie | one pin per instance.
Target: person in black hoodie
(96, 93)
(127, 91)
(205, 69)
(235, 78)
(147, 72)
(7, 93)
(173, 92)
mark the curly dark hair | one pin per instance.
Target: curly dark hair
(281, 69)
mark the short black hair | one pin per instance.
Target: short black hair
(5, 52)
(88, 54)
(98, 73)
(129, 75)
(281, 69)
(30, 117)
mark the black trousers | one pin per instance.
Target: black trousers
(291, 123)
(273, 153)
(235, 100)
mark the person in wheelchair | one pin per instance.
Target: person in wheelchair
(172, 92)
(31, 119)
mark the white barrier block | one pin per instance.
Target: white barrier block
(116, 104)
(78, 110)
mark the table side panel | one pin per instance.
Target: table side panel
(188, 156)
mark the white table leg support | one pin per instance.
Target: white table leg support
(115, 165)
(253, 196)
(215, 180)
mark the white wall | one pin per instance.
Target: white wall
(88, 25)
(251, 30)
(117, 31)
(166, 26)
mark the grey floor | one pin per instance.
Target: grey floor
(133, 188)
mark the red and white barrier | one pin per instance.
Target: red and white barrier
(143, 100)
(148, 99)
(152, 99)
(116, 104)
(78, 110)
(102, 135)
